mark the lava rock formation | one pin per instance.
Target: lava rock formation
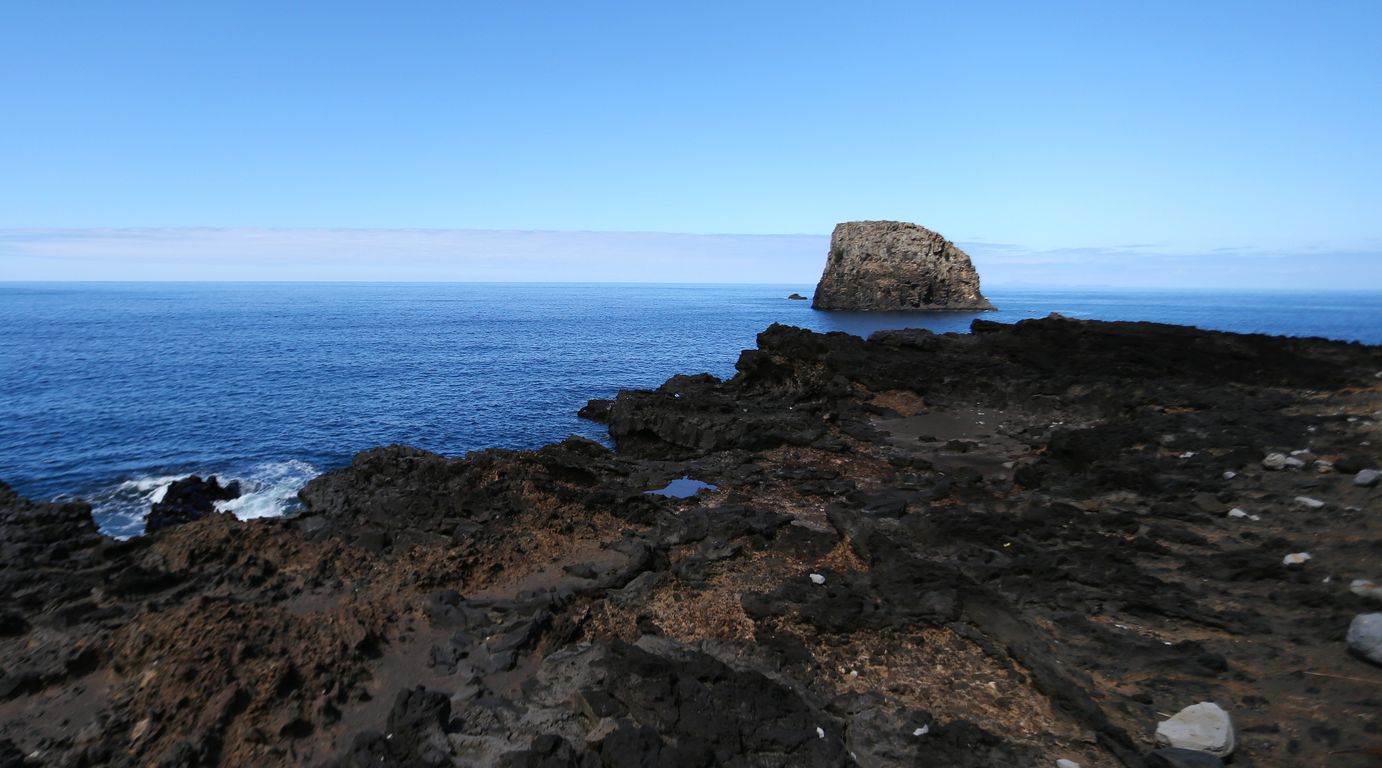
(896, 266)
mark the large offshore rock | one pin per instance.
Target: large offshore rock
(893, 265)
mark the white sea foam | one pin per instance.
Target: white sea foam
(120, 509)
(151, 488)
(266, 490)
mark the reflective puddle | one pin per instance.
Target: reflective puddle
(682, 488)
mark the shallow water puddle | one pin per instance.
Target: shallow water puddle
(683, 487)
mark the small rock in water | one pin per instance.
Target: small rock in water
(1204, 726)
(1236, 512)
(1309, 503)
(1063, 763)
(922, 731)
(1367, 478)
(817, 578)
(1365, 637)
(1229, 475)
(820, 732)
(1295, 558)
(1366, 588)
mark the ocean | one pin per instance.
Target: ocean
(108, 391)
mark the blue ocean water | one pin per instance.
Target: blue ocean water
(108, 391)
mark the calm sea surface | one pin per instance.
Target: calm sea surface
(109, 391)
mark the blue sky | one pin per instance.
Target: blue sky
(1084, 143)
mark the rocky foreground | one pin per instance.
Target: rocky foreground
(1026, 545)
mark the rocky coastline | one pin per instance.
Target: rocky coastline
(1041, 544)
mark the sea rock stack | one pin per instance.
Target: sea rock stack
(894, 265)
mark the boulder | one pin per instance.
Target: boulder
(1365, 637)
(893, 265)
(1205, 727)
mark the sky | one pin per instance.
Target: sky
(1079, 143)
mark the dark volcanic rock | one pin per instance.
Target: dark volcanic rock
(970, 550)
(188, 499)
(695, 415)
(1172, 757)
(893, 265)
(596, 410)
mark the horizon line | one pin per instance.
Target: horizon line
(312, 228)
(997, 286)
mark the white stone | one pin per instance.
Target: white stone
(1366, 588)
(1280, 461)
(1236, 512)
(1309, 503)
(816, 578)
(1367, 478)
(1063, 763)
(820, 732)
(1295, 558)
(922, 731)
(1229, 475)
(1204, 726)
(1365, 636)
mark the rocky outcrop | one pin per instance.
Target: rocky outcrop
(1006, 547)
(896, 266)
(189, 499)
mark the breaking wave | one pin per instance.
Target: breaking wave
(267, 489)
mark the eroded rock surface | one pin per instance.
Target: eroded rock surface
(896, 266)
(1002, 548)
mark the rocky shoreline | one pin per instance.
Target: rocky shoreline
(1024, 545)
